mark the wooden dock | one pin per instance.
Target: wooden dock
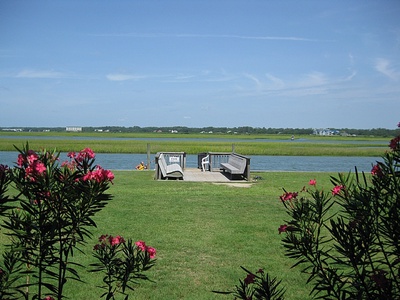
(198, 175)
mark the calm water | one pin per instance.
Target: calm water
(206, 139)
(258, 162)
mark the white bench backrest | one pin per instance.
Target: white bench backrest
(162, 164)
(237, 162)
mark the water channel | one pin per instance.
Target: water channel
(257, 163)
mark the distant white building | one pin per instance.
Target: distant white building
(12, 129)
(73, 128)
(325, 131)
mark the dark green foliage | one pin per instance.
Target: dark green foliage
(51, 217)
(257, 285)
(353, 253)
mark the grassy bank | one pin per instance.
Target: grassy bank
(247, 145)
(203, 233)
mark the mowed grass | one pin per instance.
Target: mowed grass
(203, 233)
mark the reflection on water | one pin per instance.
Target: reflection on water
(258, 162)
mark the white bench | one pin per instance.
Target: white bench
(236, 165)
(169, 171)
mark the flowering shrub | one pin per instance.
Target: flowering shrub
(122, 263)
(49, 217)
(348, 239)
(257, 285)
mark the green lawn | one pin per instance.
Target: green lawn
(203, 233)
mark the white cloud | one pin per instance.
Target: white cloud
(351, 76)
(383, 66)
(40, 74)
(191, 35)
(311, 80)
(277, 82)
(253, 78)
(123, 77)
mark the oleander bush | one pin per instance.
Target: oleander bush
(51, 217)
(346, 239)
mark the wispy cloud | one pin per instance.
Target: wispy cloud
(194, 35)
(124, 77)
(383, 66)
(351, 76)
(253, 78)
(277, 83)
(48, 74)
(312, 79)
(246, 37)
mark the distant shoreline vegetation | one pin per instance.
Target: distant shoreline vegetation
(284, 143)
(243, 130)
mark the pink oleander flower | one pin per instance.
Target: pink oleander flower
(109, 175)
(98, 246)
(141, 245)
(48, 298)
(394, 143)
(103, 238)
(20, 160)
(99, 175)
(288, 196)
(85, 153)
(376, 170)
(336, 190)
(117, 240)
(71, 154)
(249, 279)
(69, 164)
(32, 156)
(312, 182)
(34, 169)
(282, 228)
(108, 240)
(152, 251)
(39, 167)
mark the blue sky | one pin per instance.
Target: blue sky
(290, 64)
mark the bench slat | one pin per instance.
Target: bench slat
(169, 171)
(235, 165)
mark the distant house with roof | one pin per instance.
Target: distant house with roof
(73, 128)
(326, 131)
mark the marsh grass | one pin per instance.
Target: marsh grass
(244, 146)
(203, 233)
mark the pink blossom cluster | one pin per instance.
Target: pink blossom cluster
(108, 240)
(282, 228)
(76, 158)
(395, 143)
(34, 167)
(250, 278)
(86, 153)
(289, 196)
(143, 247)
(377, 171)
(99, 175)
(336, 190)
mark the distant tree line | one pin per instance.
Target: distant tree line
(378, 132)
